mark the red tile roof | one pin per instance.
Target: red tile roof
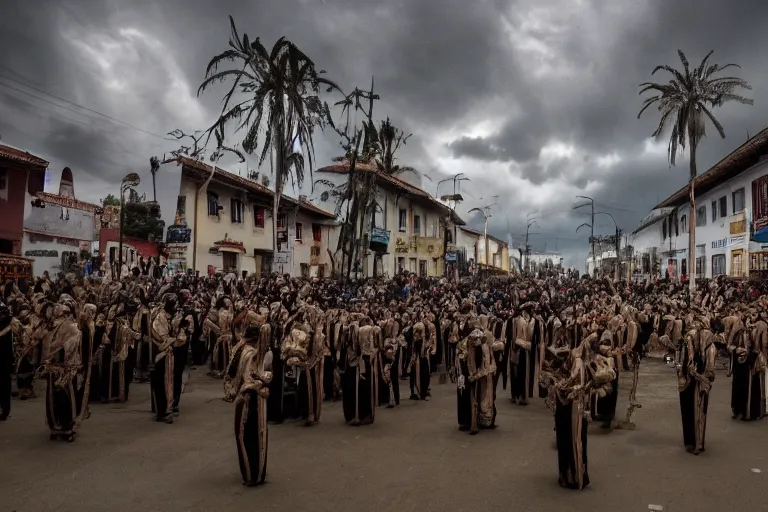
(68, 202)
(403, 186)
(248, 184)
(17, 155)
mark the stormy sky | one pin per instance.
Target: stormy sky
(535, 101)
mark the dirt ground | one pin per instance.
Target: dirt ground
(412, 458)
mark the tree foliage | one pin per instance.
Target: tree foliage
(142, 220)
(110, 200)
(686, 100)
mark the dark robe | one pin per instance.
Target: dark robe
(747, 388)
(358, 392)
(251, 437)
(465, 389)
(571, 434)
(98, 391)
(276, 410)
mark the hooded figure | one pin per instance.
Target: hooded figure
(247, 384)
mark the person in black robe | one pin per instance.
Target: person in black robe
(247, 384)
(418, 368)
(465, 389)
(186, 323)
(746, 366)
(695, 364)
(276, 410)
(164, 336)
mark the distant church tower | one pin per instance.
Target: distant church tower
(67, 185)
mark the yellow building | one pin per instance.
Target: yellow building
(224, 222)
(408, 230)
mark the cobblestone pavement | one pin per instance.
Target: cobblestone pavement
(412, 458)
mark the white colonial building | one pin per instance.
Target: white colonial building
(731, 221)
(59, 230)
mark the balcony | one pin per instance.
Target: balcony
(379, 240)
(738, 222)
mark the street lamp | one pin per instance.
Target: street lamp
(129, 181)
(486, 213)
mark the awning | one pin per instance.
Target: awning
(230, 248)
(761, 235)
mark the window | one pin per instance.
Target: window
(423, 268)
(664, 230)
(448, 237)
(298, 231)
(718, 264)
(760, 201)
(416, 225)
(213, 204)
(714, 211)
(317, 233)
(684, 267)
(723, 207)
(673, 221)
(3, 179)
(400, 264)
(229, 261)
(737, 263)
(403, 219)
(237, 208)
(737, 199)
(701, 216)
(412, 265)
(701, 261)
(258, 217)
(684, 224)
(281, 221)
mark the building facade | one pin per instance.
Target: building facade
(407, 231)
(731, 222)
(487, 252)
(223, 223)
(59, 229)
(22, 176)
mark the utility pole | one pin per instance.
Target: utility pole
(486, 213)
(591, 227)
(530, 222)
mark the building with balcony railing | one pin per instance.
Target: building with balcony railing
(731, 221)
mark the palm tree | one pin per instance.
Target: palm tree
(685, 102)
(154, 166)
(274, 95)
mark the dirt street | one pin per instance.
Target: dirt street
(412, 458)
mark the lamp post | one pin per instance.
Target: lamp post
(129, 181)
(486, 213)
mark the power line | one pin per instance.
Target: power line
(71, 103)
(69, 119)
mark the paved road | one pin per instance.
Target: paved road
(412, 458)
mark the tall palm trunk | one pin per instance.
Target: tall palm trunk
(693, 139)
(154, 188)
(279, 145)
